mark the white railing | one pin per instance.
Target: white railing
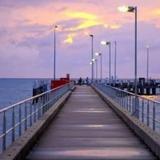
(17, 118)
(144, 109)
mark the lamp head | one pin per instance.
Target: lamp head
(108, 43)
(93, 60)
(98, 54)
(131, 9)
(126, 8)
(105, 43)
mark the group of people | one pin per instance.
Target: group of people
(83, 81)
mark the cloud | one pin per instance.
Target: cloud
(69, 39)
(26, 36)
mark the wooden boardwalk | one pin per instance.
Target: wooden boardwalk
(86, 128)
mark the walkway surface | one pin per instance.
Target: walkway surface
(86, 128)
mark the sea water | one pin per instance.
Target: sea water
(13, 90)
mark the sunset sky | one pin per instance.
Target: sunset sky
(26, 36)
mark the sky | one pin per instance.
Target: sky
(26, 37)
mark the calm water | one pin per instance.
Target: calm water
(11, 92)
(15, 90)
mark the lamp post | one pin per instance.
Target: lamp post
(54, 65)
(92, 67)
(147, 63)
(100, 55)
(133, 9)
(96, 65)
(108, 44)
(115, 63)
(92, 63)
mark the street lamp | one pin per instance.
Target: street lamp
(115, 63)
(127, 8)
(92, 69)
(106, 43)
(133, 9)
(147, 63)
(54, 72)
(100, 55)
(93, 60)
(92, 63)
(96, 63)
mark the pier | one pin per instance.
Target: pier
(87, 128)
(85, 122)
(107, 107)
(143, 87)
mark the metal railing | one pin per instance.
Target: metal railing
(144, 109)
(17, 118)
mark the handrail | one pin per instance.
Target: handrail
(28, 99)
(17, 118)
(144, 109)
(133, 94)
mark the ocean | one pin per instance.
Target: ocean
(13, 90)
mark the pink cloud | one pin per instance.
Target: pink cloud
(26, 34)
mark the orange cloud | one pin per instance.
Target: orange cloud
(80, 15)
(69, 39)
(87, 20)
(115, 26)
(87, 14)
(112, 26)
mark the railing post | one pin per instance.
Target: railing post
(154, 116)
(34, 110)
(30, 110)
(4, 132)
(39, 107)
(25, 112)
(45, 101)
(13, 124)
(127, 102)
(132, 104)
(121, 99)
(20, 117)
(42, 108)
(148, 113)
(137, 108)
(143, 110)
